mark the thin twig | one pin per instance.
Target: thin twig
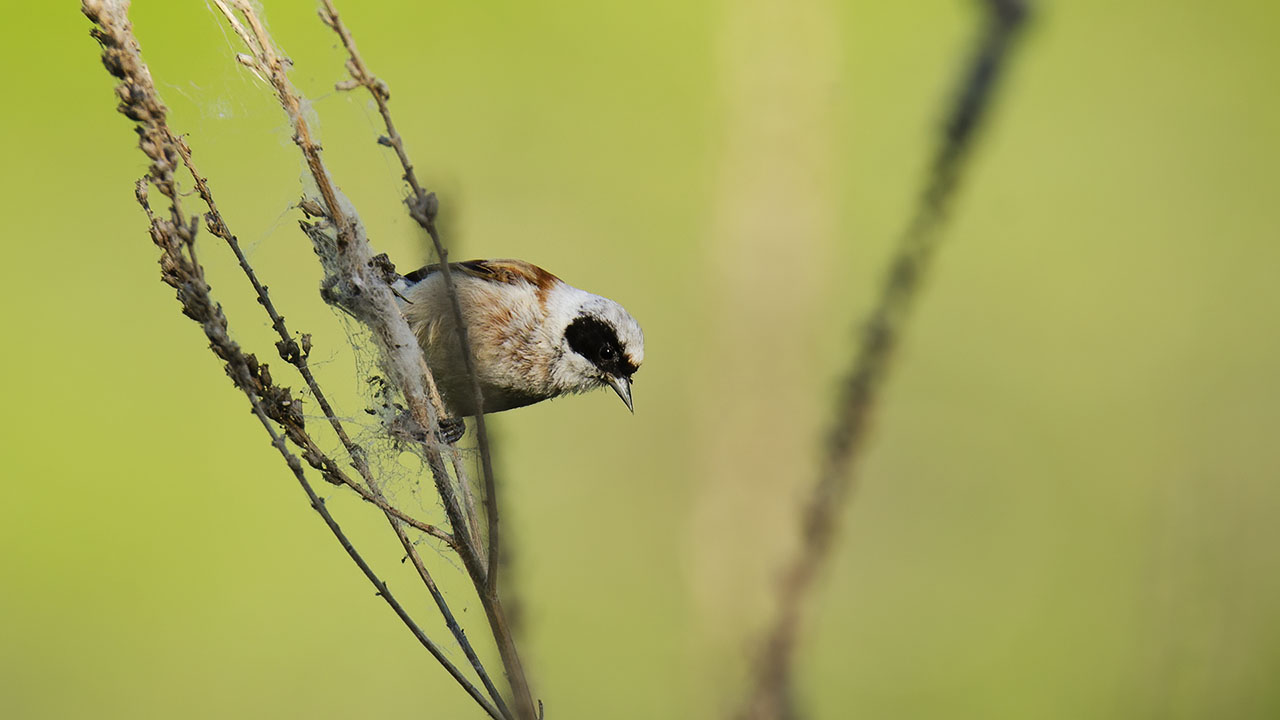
(450, 621)
(357, 283)
(176, 236)
(278, 441)
(770, 698)
(354, 277)
(291, 352)
(271, 402)
(422, 207)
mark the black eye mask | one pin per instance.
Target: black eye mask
(596, 341)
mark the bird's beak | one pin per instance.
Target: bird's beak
(622, 386)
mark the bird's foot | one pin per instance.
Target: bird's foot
(451, 430)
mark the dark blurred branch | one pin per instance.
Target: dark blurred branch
(771, 696)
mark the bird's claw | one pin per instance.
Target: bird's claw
(451, 430)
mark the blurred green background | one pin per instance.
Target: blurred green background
(1069, 505)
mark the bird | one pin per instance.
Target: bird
(533, 336)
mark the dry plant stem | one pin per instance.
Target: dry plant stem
(422, 207)
(468, 497)
(298, 356)
(175, 236)
(451, 622)
(484, 576)
(352, 280)
(349, 260)
(355, 282)
(361, 77)
(426, 218)
(142, 104)
(771, 697)
(278, 441)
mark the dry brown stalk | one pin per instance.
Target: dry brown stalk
(266, 61)
(422, 207)
(297, 354)
(356, 281)
(175, 235)
(771, 695)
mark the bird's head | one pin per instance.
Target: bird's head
(601, 345)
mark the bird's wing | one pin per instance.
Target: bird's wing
(501, 271)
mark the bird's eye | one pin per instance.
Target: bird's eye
(607, 352)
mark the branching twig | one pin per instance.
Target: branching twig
(770, 697)
(175, 236)
(357, 282)
(298, 355)
(141, 103)
(422, 207)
